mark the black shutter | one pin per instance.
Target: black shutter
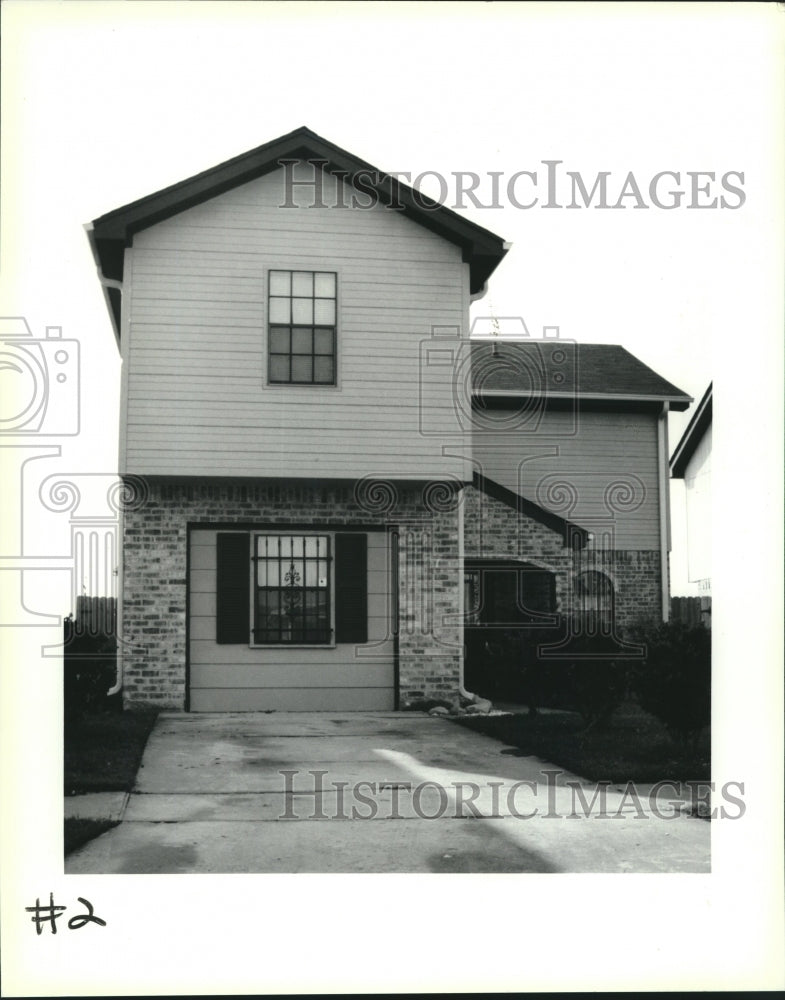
(351, 588)
(232, 598)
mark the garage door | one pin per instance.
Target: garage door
(290, 620)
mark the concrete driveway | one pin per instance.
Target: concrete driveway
(373, 792)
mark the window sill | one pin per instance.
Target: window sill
(301, 385)
(293, 645)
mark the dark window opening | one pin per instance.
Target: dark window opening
(511, 596)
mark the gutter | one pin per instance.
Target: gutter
(685, 449)
(664, 505)
(599, 396)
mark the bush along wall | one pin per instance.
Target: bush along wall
(89, 669)
(569, 662)
(674, 682)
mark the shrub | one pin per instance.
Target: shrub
(674, 683)
(587, 673)
(584, 674)
(89, 671)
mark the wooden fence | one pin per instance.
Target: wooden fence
(691, 610)
(95, 615)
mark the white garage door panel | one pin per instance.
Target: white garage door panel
(237, 677)
(295, 675)
(328, 699)
(205, 652)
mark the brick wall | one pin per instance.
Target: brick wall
(426, 519)
(635, 574)
(154, 572)
(492, 529)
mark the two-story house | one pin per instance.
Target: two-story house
(324, 476)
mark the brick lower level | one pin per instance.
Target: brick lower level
(427, 526)
(154, 579)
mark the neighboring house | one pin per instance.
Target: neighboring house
(324, 478)
(691, 461)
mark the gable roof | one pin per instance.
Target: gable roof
(564, 370)
(691, 438)
(112, 233)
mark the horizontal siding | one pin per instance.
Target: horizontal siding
(271, 663)
(197, 401)
(594, 452)
(233, 677)
(303, 674)
(293, 700)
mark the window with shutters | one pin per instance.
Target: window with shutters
(292, 589)
(286, 589)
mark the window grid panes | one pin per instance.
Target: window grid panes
(302, 314)
(292, 574)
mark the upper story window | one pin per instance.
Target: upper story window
(301, 327)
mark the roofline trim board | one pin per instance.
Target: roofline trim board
(567, 529)
(481, 248)
(696, 428)
(599, 396)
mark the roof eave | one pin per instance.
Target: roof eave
(572, 534)
(678, 402)
(697, 427)
(482, 249)
(112, 307)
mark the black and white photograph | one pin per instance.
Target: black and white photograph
(382, 610)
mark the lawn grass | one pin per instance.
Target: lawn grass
(631, 746)
(77, 832)
(103, 751)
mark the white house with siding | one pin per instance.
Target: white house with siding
(691, 461)
(325, 478)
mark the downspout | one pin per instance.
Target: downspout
(662, 459)
(467, 695)
(106, 284)
(118, 684)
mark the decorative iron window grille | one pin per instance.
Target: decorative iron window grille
(302, 311)
(292, 575)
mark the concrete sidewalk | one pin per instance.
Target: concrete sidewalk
(373, 792)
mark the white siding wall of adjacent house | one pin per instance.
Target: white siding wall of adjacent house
(241, 677)
(600, 468)
(195, 341)
(697, 482)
